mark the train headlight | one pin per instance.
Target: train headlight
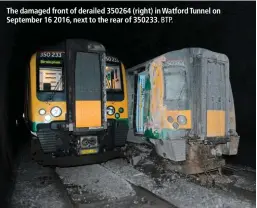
(175, 125)
(121, 110)
(48, 118)
(170, 119)
(117, 115)
(110, 110)
(42, 111)
(56, 111)
(182, 120)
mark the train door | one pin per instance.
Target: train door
(86, 94)
(217, 98)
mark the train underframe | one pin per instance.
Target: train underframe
(194, 156)
(52, 146)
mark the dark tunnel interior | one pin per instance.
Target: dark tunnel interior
(232, 33)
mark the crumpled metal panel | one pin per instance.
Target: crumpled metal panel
(189, 82)
(155, 97)
(173, 149)
(231, 148)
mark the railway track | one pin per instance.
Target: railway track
(132, 183)
(239, 181)
(145, 171)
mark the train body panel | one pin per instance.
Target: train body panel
(35, 105)
(120, 104)
(117, 100)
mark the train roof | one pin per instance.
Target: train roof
(201, 52)
(61, 45)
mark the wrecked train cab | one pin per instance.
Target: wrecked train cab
(182, 102)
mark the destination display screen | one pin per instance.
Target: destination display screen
(111, 59)
(51, 57)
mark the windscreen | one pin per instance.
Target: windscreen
(114, 81)
(113, 78)
(176, 87)
(50, 79)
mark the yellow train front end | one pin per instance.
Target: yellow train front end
(183, 104)
(66, 104)
(117, 101)
(42, 110)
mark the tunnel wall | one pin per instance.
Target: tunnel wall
(6, 158)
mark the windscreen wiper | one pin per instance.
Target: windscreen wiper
(51, 97)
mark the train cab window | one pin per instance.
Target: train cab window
(174, 84)
(114, 83)
(175, 91)
(113, 78)
(50, 79)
